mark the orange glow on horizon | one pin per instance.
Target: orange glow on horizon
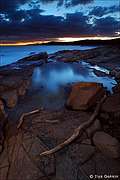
(23, 43)
(64, 39)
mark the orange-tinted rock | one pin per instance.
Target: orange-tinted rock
(85, 95)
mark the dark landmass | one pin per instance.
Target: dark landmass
(113, 42)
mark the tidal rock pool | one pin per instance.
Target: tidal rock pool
(53, 75)
(52, 81)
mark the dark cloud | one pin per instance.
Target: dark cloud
(18, 24)
(38, 26)
(101, 11)
(107, 26)
(7, 6)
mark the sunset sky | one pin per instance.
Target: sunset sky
(53, 20)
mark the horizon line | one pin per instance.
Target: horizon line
(64, 39)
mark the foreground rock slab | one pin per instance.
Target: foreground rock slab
(42, 131)
(84, 95)
(107, 144)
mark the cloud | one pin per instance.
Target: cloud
(18, 24)
(31, 25)
(11, 5)
(106, 26)
(67, 3)
(101, 11)
(37, 26)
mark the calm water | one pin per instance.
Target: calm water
(52, 76)
(11, 54)
(50, 82)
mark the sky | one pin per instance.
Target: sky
(54, 20)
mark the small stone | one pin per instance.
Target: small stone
(107, 144)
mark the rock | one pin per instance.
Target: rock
(107, 144)
(84, 95)
(68, 162)
(1, 106)
(10, 97)
(116, 89)
(22, 89)
(112, 104)
(2, 123)
(104, 116)
(99, 73)
(96, 126)
(36, 57)
(115, 73)
(1, 148)
(85, 152)
(86, 142)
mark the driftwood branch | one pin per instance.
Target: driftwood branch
(78, 131)
(21, 120)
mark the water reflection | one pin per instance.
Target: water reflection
(54, 75)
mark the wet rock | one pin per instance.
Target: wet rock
(10, 97)
(36, 57)
(96, 126)
(107, 144)
(115, 73)
(116, 89)
(85, 95)
(99, 73)
(74, 55)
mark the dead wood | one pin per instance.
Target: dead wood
(78, 131)
(21, 120)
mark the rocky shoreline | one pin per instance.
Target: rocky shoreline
(95, 152)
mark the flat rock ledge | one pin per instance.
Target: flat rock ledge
(42, 131)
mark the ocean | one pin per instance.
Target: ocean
(10, 54)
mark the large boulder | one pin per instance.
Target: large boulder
(107, 144)
(85, 95)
